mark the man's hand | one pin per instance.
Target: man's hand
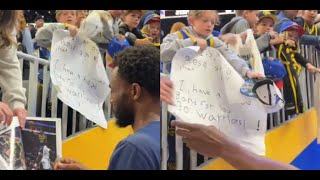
(68, 164)
(206, 140)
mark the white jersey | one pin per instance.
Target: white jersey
(45, 152)
(45, 158)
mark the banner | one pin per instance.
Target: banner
(78, 73)
(206, 91)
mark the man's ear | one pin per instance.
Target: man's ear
(135, 91)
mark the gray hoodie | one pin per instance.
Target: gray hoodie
(172, 43)
(109, 31)
(44, 35)
(238, 24)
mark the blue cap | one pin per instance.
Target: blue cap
(290, 25)
(117, 45)
(273, 69)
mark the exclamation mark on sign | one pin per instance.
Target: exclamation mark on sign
(258, 125)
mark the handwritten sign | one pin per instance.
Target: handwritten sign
(207, 91)
(91, 25)
(78, 73)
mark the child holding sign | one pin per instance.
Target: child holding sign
(199, 33)
(44, 35)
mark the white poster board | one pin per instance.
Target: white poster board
(207, 91)
(78, 73)
(249, 51)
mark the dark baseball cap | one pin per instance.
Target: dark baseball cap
(39, 17)
(267, 14)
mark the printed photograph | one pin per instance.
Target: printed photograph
(18, 161)
(40, 144)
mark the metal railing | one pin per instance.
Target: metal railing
(197, 161)
(39, 97)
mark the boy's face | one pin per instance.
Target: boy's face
(82, 14)
(310, 15)
(39, 23)
(291, 13)
(132, 19)
(293, 35)
(68, 16)
(251, 17)
(264, 25)
(154, 30)
(204, 24)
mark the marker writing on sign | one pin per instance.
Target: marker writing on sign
(258, 125)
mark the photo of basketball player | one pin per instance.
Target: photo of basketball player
(39, 139)
(19, 160)
(5, 152)
(5, 148)
(45, 160)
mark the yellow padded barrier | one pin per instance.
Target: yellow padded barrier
(94, 147)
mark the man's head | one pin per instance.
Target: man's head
(39, 20)
(135, 82)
